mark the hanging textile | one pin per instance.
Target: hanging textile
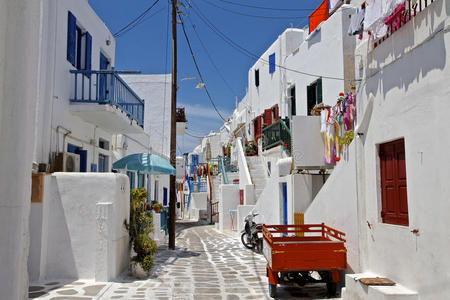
(357, 22)
(318, 16)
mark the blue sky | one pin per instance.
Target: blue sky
(144, 48)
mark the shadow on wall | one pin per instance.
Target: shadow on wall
(60, 255)
(413, 66)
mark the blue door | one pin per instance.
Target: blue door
(284, 204)
(83, 159)
(102, 89)
(165, 196)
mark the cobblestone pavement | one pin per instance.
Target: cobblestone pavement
(206, 265)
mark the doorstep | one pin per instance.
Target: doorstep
(355, 290)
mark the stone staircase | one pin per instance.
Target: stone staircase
(258, 173)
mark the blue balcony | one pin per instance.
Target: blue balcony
(112, 95)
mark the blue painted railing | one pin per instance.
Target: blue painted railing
(223, 171)
(106, 87)
(198, 187)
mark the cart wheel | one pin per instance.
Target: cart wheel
(272, 290)
(245, 241)
(332, 288)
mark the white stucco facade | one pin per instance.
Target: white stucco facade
(78, 230)
(20, 25)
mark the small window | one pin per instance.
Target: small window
(102, 163)
(314, 94)
(103, 144)
(257, 77)
(272, 63)
(394, 202)
(293, 104)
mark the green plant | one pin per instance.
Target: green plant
(157, 204)
(139, 229)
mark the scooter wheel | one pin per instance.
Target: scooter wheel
(272, 290)
(245, 241)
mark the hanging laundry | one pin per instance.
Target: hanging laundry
(357, 22)
(374, 19)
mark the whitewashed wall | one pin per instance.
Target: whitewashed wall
(20, 26)
(155, 90)
(81, 233)
(322, 54)
(55, 81)
(408, 77)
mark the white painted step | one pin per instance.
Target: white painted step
(355, 290)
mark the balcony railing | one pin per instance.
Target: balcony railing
(181, 115)
(402, 15)
(277, 133)
(106, 87)
(198, 187)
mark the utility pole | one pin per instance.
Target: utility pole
(173, 125)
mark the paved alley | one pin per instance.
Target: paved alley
(206, 265)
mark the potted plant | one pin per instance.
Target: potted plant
(251, 148)
(139, 229)
(157, 207)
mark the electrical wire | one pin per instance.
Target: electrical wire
(268, 8)
(135, 21)
(247, 52)
(140, 22)
(198, 69)
(253, 16)
(194, 136)
(212, 60)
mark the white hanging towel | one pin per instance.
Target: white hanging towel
(374, 19)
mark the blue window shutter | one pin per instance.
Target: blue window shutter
(71, 37)
(272, 63)
(88, 55)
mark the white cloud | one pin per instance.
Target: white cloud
(197, 110)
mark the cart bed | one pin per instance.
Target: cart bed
(309, 247)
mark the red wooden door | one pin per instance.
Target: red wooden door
(393, 183)
(257, 127)
(276, 112)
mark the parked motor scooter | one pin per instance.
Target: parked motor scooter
(251, 236)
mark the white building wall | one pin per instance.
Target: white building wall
(407, 82)
(55, 125)
(321, 55)
(155, 90)
(89, 244)
(20, 26)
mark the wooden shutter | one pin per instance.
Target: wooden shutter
(393, 183)
(257, 126)
(272, 63)
(276, 113)
(319, 91)
(88, 55)
(71, 37)
(267, 117)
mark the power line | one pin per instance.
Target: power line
(135, 22)
(198, 69)
(194, 136)
(268, 8)
(247, 52)
(253, 16)
(211, 60)
(140, 22)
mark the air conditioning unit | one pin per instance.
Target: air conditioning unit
(66, 162)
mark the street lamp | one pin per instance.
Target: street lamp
(199, 83)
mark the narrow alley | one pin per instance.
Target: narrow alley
(206, 265)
